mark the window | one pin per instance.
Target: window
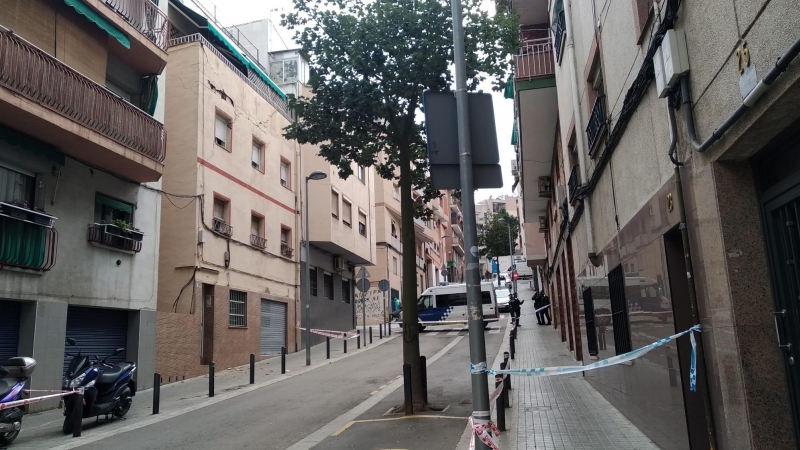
(394, 229)
(347, 212)
(237, 316)
(362, 223)
(258, 156)
(285, 236)
(362, 173)
(425, 302)
(285, 173)
(641, 13)
(221, 209)
(327, 285)
(394, 265)
(335, 204)
(286, 241)
(222, 132)
(588, 312)
(619, 311)
(312, 274)
(345, 290)
(107, 210)
(257, 231)
(396, 191)
(16, 187)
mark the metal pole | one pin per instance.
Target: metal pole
(252, 368)
(283, 360)
(511, 255)
(211, 379)
(327, 348)
(156, 392)
(364, 315)
(477, 344)
(306, 288)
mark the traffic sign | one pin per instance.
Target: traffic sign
(383, 285)
(363, 273)
(363, 285)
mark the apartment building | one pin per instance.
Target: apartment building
(389, 253)
(623, 154)
(229, 265)
(82, 147)
(454, 241)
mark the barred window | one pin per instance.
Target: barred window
(345, 290)
(237, 316)
(312, 274)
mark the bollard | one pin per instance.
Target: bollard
(505, 357)
(345, 344)
(283, 360)
(328, 347)
(156, 392)
(77, 413)
(508, 380)
(380, 332)
(358, 339)
(252, 368)
(211, 379)
(409, 402)
(389, 327)
(370, 335)
(423, 369)
(513, 347)
(500, 407)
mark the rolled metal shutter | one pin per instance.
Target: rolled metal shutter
(97, 331)
(9, 330)
(273, 327)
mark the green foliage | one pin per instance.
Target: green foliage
(370, 62)
(124, 226)
(493, 236)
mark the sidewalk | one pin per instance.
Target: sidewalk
(559, 412)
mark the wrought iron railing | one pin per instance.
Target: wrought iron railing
(534, 60)
(38, 77)
(286, 250)
(573, 182)
(267, 94)
(27, 245)
(559, 35)
(597, 123)
(221, 227)
(258, 241)
(145, 16)
(99, 235)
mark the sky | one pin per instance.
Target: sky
(234, 12)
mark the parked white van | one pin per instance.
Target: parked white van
(448, 304)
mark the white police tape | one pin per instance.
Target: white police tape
(28, 401)
(625, 357)
(535, 311)
(331, 333)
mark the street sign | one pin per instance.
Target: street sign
(363, 285)
(383, 285)
(363, 273)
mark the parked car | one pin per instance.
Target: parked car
(502, 281)
(503, 300)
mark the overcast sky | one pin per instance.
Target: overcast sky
(234, 12)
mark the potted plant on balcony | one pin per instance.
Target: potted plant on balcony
(16, 210)
(125, 229)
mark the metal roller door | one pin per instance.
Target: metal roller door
(273, 327)
(9, 329)
(97, 332)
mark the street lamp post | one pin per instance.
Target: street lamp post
(316, 175)
(510, 249)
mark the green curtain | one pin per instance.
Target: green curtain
(509, 92)
(514, 133)
(21, 243)
(557, 8)
(149, 97)
(111, 203)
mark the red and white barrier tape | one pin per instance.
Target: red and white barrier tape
(330, 333)
(483, 431)
(497, 391)
(28, 401)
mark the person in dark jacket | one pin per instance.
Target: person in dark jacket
(546, 312)
(516, 307)
(537, 303)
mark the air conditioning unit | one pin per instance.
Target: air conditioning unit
(339, 264)
(545, 187)
(543, 224)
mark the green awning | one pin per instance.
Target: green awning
(15, 138)
(514, 133)
(509, 92)
(557, 8)
(87, 12)
(111, 203)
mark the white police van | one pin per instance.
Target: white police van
(441, 305)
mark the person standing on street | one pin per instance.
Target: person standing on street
(537, 303)
(516, 308)
(545, 300)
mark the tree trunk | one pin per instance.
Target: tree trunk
(409, 277)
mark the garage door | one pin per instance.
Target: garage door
(97, 332)
(9, 329)
(273, 327)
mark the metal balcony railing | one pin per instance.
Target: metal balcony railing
(559, 35)
(534, 60)
(38, 77)
(286, 250)
(597, 123)
(26, 244)
(573, 183)
(145, 16)
(219, 226)
(258, 241)
(98, 234)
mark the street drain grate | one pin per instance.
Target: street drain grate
(537, 408)
(401, 410)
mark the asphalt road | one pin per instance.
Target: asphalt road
(281, 414)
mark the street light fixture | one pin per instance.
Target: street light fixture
(315, 175)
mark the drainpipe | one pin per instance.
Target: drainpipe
(579, 127)
(780, 66)
(701, 360)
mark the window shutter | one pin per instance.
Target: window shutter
(284, 174)
(221, 131)
(257, 154)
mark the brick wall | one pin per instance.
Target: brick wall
(178, 346)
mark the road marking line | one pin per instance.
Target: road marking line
(336, 424)
(392, 419)
(432, 333)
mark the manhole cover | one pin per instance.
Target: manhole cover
(537, 408)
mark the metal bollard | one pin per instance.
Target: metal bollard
(345, 344)
(283, 360)
(358, 339)
(77, 413)
(500, 407)
(211, 379)
(370, 335)
(409, 402)
(380, 332)
(389, 327)
(327, 347)
(513, 347)
(252, 368)
(156, 392)
(423, 369)
(507, 365)
(505, 357)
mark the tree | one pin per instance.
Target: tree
(370, 61)
(493, 236)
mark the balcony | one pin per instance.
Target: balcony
(458, 244)
(560, 34)
(26, 244)
(221, 227)
(534, 60)
(597, 123)
(145, 16)
(286, 250)
(573, 183)
(396, 243)
(258, 241)
(43, 97)
(108, 235)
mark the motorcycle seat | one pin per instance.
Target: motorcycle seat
(6, 384)
(110, 375)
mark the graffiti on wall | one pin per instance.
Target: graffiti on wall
(375, 301)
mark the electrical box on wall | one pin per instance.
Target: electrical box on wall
(675, 56)
(658, 72)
